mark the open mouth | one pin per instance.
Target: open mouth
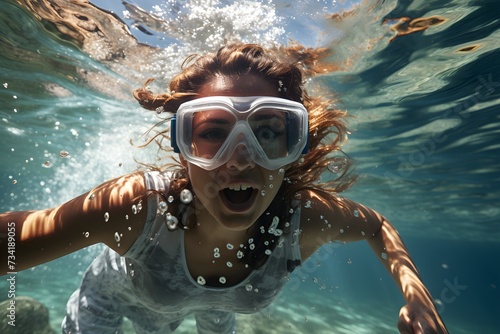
(239, 199)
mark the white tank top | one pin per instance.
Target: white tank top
(156, 265)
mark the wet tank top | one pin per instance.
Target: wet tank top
(159, 277)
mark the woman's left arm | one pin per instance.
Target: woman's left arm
(351, 221)
(419, 315)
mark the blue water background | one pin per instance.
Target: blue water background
(425, 140)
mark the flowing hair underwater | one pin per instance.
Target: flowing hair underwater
(287, 69)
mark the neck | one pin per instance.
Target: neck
(209, 232)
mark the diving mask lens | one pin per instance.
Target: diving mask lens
(273, 131)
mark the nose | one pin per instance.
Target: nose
(241, 159)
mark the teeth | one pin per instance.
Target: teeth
(238, 187)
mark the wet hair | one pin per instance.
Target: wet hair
(287, 69)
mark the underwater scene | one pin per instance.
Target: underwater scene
(420, 78)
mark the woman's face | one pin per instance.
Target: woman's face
(237, 193)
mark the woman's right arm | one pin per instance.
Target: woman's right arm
(113, 213)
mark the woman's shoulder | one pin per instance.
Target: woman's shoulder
(160, 180)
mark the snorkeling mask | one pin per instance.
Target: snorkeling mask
(271, 131)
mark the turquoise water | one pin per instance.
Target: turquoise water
(425, 140)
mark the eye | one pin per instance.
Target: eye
(214, 134)
(266, 134)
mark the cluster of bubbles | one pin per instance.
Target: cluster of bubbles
(201, 280)
(273, 229)
(186, 196)
(136, 208)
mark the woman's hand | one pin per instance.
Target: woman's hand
(417, 318)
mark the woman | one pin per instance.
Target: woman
(220, 233)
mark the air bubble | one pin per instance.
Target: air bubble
(134, 209)
(117, 237)
(356, 213)
(222, 280)
(273, 229)
(275, 222)
(248, 287)
(251, 246)
(63, 154)
(268, 252)
(186, 196)
(87, 234)
(171, 221)
(170, 199)
(200, 280)
(271, 177)
(384, 256)
(230, 246)
(229, 264)
(139, 207)
(281, 171)
(337, 165)
(239, 254)
(307, 205)
(106, 216)
(162, 207)
(263, 193)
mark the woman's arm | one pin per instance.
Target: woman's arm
(113, 213)
(351, 221)
(419, 315)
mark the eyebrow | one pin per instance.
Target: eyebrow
(215, 121)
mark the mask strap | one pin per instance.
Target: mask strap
(173, 134)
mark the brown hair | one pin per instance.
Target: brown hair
(287, 68)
